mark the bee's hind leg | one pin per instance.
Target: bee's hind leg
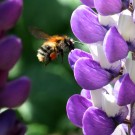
(62, 54)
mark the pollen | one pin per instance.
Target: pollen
(53, 56)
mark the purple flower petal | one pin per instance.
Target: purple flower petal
(10, 50)
(76, 106)
(126, 26)
(96, 122)
(121, 129)
(75, 54)
(115, 46)
(89, 3)
(85, 25)
(9, 125)
(132, 114)
(108, 7)
(3, 78)
(133, 130)
(124, 90)
(90, 75)
(15, 93)
(10, 11)
(121, 116)
(134, 16)
(86, 93)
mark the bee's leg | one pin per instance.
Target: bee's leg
(48, 60)
(46, 63)
(62, 54)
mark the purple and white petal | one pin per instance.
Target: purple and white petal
(85, 25)
(89, 3)
(96, 97)
(133, 130)
(76, 106)
(134, 16)
(94, 50)
(108, 88)
(115, 46)
(122, 114)
(111, 20)
(121, 129)
(98, 54)
(124, 90)
(85, 93)
(132, 114)
(132, 2)
(108, 7)
(109, 104)
(130, 68)
(96, 121)
(90, 75)
(126, 26)
(75, 54)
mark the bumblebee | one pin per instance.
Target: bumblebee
(53, 46)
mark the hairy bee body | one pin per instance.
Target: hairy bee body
(53, 46)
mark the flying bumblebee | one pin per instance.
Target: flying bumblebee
(53, 46)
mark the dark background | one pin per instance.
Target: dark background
(52, 85)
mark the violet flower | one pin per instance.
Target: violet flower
(10, 11)
(10, 125)
(102, 71)
(110, 35)
(15, 92)
(102, 115)
(124, 88)
(90, 27)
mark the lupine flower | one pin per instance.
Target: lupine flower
(13, 93)
(10, 11)
(10, 125)
(125, 86)
(85, 22)
(109, 32)
(85, 67)
(92, 115)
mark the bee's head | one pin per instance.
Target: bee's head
(69, 42)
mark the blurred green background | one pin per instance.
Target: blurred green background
(52, 85)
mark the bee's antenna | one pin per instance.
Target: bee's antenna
(78, 42)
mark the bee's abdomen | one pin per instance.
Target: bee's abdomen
(46, 53)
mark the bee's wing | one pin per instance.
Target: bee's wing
(37, 33)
